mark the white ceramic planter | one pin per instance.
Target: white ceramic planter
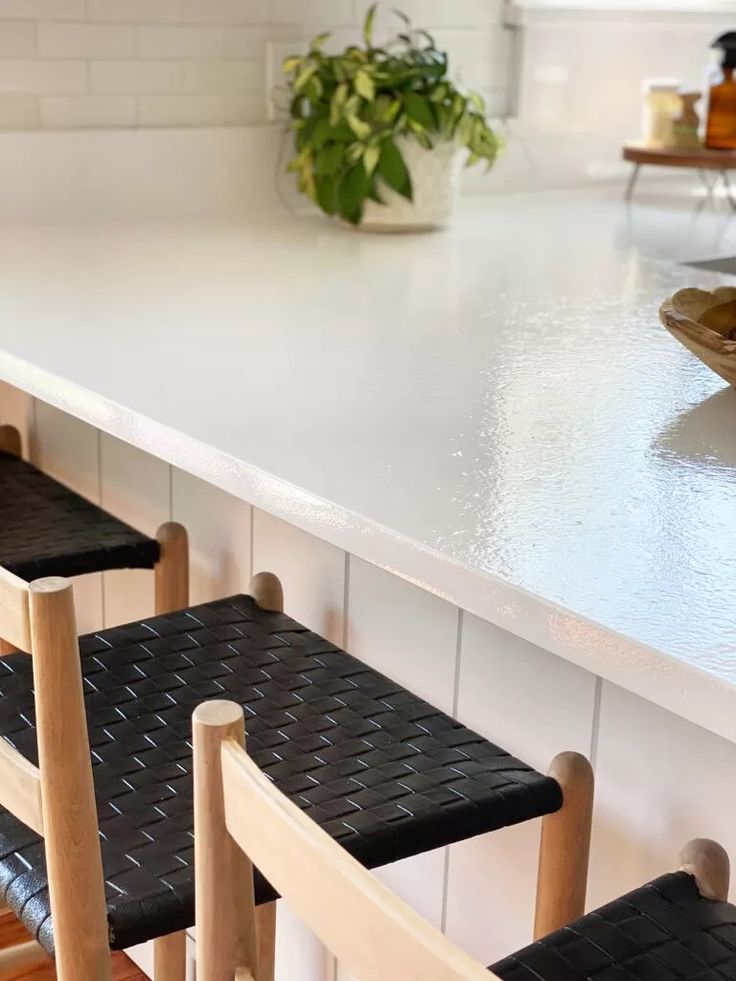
(435, 176)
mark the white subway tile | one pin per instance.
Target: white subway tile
(46, 9)
(85, 40)
(17, 39)
(164, 41)
(251, 42)
(134, 11)
(219, 537)
(134, 486)
(43, 77)
(403, 631)
(223, 77)
(134, 77)
(246, 110)
(311, 571)
(325, 14)
(429, 14)
(87, 112)
(182, 111)
(19, 112)
(226, 11)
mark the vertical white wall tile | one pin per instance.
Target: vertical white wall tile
(411, 636)
(403, 631)
(135, 488)
(68, 449)
(659, 781)
(219, 537)
(311, 571)
(535, 705)
(299, 954)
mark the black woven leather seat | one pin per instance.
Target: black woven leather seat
(48, 530)
(382, 771)
(661, 932)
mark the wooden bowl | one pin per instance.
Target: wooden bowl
(706, 324)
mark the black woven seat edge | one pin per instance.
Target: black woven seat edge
(385, 773)
(49, 530)
(663, 930)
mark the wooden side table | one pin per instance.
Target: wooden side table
(711, 165)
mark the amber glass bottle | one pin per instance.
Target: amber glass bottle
(720, 133)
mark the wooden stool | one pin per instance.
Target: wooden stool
(709, 164)
(46, 529)
(383, 772)
(678, 926)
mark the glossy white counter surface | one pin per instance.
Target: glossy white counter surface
(494, 412)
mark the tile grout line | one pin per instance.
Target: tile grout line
(103, 603)
(455, 703)
(595, 730)
(252, 548)
(346, 602)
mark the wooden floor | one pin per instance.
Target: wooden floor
(11, 932)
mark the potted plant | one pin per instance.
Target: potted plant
(379, 131)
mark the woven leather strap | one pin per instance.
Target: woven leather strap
(661, 932)
(382, 771)
(49, 530)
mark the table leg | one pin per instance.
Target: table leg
(632, 182)
(727, 187)
(709, 183)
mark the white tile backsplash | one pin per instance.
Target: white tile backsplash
(18, 39)
(196, 62)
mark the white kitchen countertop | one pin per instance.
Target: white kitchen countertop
(493, 412)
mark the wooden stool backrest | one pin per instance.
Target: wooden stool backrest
(56, 799)
(237, 808)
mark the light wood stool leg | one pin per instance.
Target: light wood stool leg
(10, 441)
(223, 886)
(565, 847)
(170, 957)
(708, 863)
(172, 569)
(70, 829)
(266, 590)
(266, 933)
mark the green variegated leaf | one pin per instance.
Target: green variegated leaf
(419, 109)
(364, 85)
(290, 64)
(303, 77)
(368, 23)
(370, 159)
(318, 42)
(361, 129)
(337, 103)
(354, 153)
(351, 194)
(393, 170)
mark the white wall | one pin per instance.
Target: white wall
(67, 64)
(581, 77)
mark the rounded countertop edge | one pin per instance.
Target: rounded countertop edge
(671, 682)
